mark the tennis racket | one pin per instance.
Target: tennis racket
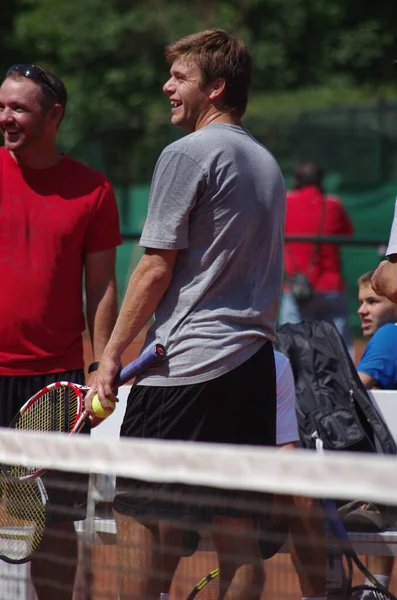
(23, 518)
(207, 588)
(23, 498)
(59, 407)
(337, 529)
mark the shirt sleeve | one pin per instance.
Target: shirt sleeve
(344, 224)
(287, 426)
(392, 247)
(380, 357)
(178, 182)
(103, 230)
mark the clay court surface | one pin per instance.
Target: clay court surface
(281, 580)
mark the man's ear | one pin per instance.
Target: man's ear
(217, 89)
(55, 114)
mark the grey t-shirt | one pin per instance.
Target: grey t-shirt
(217, 196)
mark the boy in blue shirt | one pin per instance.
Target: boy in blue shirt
(378, 369)
(378, 365)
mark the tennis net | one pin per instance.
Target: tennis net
(186, 481)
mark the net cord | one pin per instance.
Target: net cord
(336, 474)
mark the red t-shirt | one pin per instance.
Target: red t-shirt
(49, 220)
(304, 214)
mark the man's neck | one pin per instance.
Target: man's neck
(43, 159)
(219, 117)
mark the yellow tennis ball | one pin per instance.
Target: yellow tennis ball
(98, 409)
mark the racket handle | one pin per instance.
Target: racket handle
(154, 355)
(334, 520)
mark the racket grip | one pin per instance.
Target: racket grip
(152, 356)
(334, 520)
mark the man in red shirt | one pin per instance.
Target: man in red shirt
(312, 213)
(58, 224)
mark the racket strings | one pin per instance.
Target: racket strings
(54, 410)
(22, 518)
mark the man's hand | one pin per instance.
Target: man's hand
(104, 383)
(378, 277)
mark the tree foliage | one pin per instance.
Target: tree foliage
(110, 54)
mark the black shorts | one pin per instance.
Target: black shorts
(67, 492)
(236, 408)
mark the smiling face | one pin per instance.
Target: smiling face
(190, 100)
(25, 122)
(374, 311)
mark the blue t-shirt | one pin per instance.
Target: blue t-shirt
(380, 357)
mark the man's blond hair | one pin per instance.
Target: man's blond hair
(365, 278)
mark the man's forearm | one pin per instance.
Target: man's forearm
(367, 380)
(101, 317)
(145, 290)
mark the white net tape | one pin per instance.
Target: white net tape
(295, 472)
(342, 475)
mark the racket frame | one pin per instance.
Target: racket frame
(78, 421)
(26, 557)
(154, 355)
(202, 583)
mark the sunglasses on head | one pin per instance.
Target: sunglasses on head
(34, 72)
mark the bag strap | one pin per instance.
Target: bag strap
(316, 244)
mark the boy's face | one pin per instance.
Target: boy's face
(374, 311)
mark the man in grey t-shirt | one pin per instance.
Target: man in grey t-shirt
(211, 275)
(217, 197)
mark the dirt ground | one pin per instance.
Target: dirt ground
(359, 347)
(281, 580)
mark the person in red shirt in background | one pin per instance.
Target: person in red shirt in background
(310, 212)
